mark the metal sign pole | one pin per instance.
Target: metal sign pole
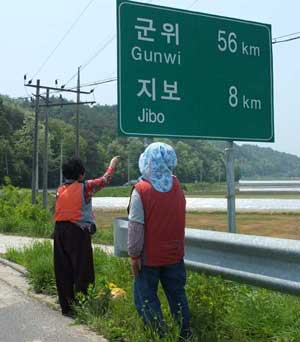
(229, 159)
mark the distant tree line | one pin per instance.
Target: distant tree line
(198, 160)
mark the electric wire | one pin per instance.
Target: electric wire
(287, 35)
(193, 4)
(276, 41)
(96, 83)
(102, 47)
(62, 39)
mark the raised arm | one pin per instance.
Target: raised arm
(94, 185)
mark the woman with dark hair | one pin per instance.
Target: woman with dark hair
(74, 224)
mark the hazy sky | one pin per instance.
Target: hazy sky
(32, 29)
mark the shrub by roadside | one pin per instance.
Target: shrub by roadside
(19, 216)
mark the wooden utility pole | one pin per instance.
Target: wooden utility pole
(77, 114)
(6, 163)
(61, 162)
(35, 144)
(45, 164)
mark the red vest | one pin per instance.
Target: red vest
(164, 215)
(71, 205)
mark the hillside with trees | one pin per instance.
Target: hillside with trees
(199, 160)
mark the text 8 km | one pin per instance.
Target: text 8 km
(244, 101)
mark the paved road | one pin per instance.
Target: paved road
(27, 319)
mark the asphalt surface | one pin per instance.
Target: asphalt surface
(28, 317)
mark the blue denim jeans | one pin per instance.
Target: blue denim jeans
(172, 278)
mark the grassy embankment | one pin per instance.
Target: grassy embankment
(220, 310)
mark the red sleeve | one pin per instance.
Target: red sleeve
(94, 185)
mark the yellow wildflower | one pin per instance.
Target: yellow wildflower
(117, 292)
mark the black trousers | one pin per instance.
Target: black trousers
(73, 262)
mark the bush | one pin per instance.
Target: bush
(18, 215)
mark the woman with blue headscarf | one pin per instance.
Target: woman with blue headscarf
(156, 238)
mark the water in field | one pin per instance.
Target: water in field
(257, 204)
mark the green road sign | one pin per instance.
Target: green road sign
(193, 75)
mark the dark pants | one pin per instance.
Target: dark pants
(73, 262)
(172, 278)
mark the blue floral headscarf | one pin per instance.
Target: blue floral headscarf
(156, 165)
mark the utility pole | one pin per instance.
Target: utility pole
(45, 164)
(35, 138)
(5, 146)
(37, 168)
(61, 162)
(35, 144)
(77, 114)
(6, 163)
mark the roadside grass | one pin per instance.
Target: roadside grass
(114, 191)
(38, 260)
(220, 310)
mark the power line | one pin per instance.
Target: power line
(62, 39)
(193, 4)
(93, 57)
(102, 47)
(96, 83)
(287, 35)
(98, 51)
(275, 41)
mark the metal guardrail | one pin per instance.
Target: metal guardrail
(262, 261)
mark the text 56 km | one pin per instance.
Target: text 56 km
(228, 41)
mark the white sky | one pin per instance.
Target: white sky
(31, 29)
